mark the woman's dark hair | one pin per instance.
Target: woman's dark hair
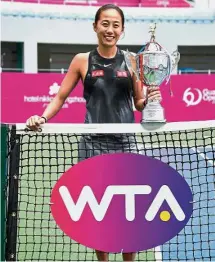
(107, 7)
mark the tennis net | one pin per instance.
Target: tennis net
(35, 161)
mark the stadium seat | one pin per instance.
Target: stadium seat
(128, 3)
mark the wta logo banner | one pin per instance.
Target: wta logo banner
(121, 202)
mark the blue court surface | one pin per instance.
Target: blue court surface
(197, 240)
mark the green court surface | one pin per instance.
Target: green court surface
(39, 238)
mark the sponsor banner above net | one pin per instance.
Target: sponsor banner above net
(24, 95)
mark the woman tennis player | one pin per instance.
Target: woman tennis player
(109, 88)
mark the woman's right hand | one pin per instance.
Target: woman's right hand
(34, 122)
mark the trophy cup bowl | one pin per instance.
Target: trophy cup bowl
(152, 67)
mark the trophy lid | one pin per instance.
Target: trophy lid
(152, 29)
(152, 45)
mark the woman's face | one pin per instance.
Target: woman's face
(109, 27)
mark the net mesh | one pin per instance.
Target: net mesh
(43, 157)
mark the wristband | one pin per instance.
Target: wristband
(45, 118)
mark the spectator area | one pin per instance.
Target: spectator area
(130, 3)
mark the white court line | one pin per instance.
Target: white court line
(158, 254)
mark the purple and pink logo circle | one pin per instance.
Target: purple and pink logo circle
(121, 202)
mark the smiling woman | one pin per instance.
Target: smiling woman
(109, 86)
(109, 91)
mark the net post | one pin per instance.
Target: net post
(3, 188)
(12, 194)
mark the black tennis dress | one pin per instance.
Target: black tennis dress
(108, 91)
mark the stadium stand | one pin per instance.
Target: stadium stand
(129, 3)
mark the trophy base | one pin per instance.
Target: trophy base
(153, 121)
(153, 113)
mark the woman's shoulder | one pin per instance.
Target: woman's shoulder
(80, 60)
(81, 57)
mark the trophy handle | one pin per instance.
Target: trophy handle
(136, 74)
(175, 57)
(131, 62)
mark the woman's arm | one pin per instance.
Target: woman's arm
(68, 84)
(139, 98)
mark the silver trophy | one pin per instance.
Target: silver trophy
(152, 67)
